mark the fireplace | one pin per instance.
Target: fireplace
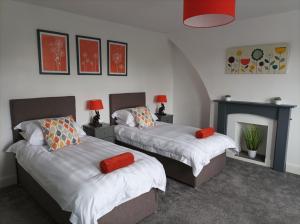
(236, 123)
(278, 114)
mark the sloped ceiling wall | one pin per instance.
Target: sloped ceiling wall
(190, 95)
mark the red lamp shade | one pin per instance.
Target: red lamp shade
(208, 13)
(161, 98)
(95, 105)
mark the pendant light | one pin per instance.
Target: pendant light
(208, 13)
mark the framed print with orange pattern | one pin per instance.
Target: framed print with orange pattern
(53, 50)
(117, 58)
(88, 55)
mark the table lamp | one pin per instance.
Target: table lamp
(161, 99)
(95, 105)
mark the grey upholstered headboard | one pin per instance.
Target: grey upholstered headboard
(38, 108)
(125, 100)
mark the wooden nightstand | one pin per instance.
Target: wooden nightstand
(168, 118)
(106, 132)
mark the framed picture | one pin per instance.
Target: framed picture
(88, 55)
(117, 58)
(53, 49)
(257, 59)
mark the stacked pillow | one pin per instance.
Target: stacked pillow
(142, 117)
(135, 117)
(34, 133)
(59, 132)
(124, 117)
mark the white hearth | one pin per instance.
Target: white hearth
(235, 125)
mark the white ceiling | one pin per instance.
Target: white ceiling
(158, 15)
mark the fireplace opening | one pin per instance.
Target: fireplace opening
(237, 123)
(261, 151)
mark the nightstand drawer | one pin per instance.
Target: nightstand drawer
(104, 132)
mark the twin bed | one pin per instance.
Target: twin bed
(57, 195)
(185, 158)
(124, 196)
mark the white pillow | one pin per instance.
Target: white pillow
(124, 116)
(32, 131)
(80, 131)
(154, 117)
(130, 124)
(14, 148)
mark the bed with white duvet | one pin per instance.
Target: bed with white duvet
(176, 142)
(72, 177)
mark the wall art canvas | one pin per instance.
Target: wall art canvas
(259, 59)
(53, 49)
(117, 58)
(88, 55)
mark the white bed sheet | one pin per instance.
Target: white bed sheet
(176, 142)
(72, 177)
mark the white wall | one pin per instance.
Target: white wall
(149, 65)
(191, 97)
(195, 55)
(205, 49)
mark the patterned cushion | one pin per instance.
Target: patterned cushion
(142, 116)
(59, 132)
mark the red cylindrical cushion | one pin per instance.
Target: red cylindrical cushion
(116, 162)
(205, 132)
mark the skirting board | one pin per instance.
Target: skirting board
(293, 168)
(7, 181)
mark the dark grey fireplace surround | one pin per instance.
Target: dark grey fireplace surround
(280, 113)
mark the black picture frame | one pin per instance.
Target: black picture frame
(41, 71)
(78, 37)
(108, 58)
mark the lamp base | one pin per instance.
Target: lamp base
(95, 120)
(161, 110)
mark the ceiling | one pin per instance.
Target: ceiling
(158, 15)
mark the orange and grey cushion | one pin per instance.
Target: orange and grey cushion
(59, 132)
(142, 116)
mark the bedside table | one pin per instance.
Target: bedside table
(168, 118)
(105, 132)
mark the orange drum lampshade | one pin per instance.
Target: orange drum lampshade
(161, 98)
(208, 13)
(95, 105)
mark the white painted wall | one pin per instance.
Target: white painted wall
(200, 55)
(149, 65)
(191, 97)
(205, 49)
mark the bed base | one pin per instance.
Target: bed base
(182, 172)
(130, 212)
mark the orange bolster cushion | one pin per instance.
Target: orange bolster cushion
(116, 162)
(205, 132)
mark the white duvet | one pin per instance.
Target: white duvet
(72, 177)
(176, 142)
